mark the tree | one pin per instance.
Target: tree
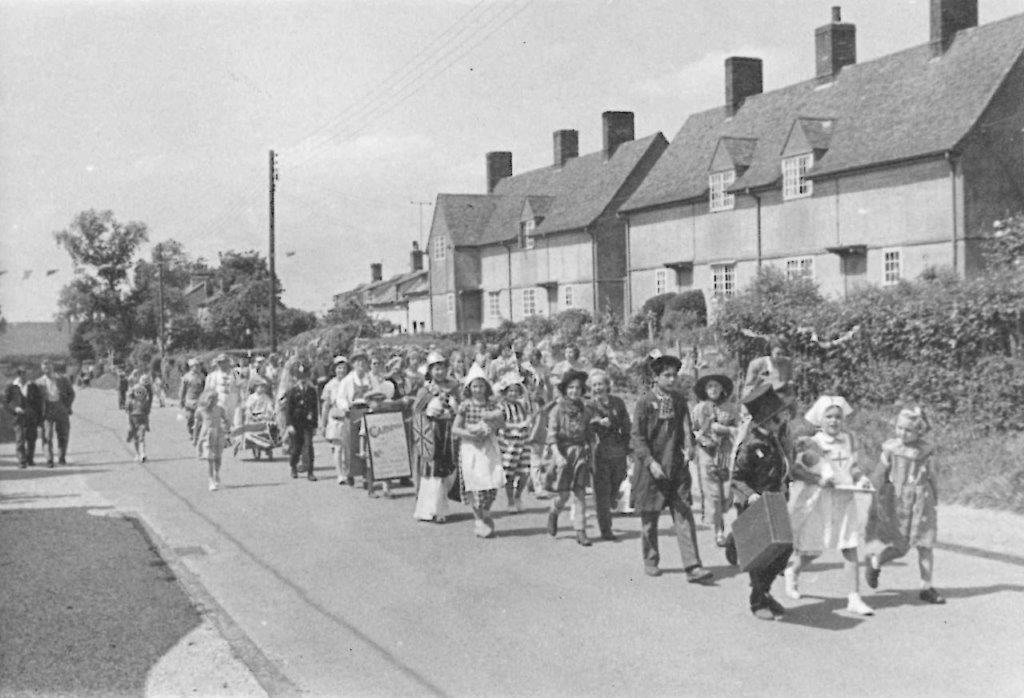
(102, 251)
(178, 271)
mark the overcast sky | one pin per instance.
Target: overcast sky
(164, 112)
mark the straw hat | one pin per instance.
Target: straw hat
(712, 374)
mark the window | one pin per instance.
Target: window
(892, 267)
(440, 248)
(529, 302)
(719, 198)
(660, 282)
(526, 229)
(794, 176)
(494, 304)
(450, 303)
(800, 268)
(723, 280)
(568, 296)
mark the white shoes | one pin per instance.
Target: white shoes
(791, 590)
(856, 604)
(214, 485)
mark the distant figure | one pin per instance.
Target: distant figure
(58, 393)
(193, 383)
(122, 387)
(211, 435)
(228, 386)
(139, 404)
(24, 400)
(776, 369)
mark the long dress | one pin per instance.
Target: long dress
(904, 514)
(434, 448)
(513, 440)
(570, 432)
(824, 518)
(479, 459)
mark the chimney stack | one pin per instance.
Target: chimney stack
(376, 272)
(947, 18)
(617, 128)
(743, 78)
(416, 257)
(567, 146)
(835, 46)
(499, 166)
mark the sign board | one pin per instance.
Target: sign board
(389, 445)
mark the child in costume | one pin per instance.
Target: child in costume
(662, 440)
(433, 414)
(570, 437)
(476, 422)
(611, 426)
(715, 421)
(138, 406)
(822, 516)
(513, 437)
(212, 427)
(904, 515)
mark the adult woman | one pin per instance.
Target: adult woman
(611, 427)
(433, 414)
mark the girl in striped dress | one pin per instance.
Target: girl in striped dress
(513, 437)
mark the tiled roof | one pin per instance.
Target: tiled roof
(394, 289)
(905, 105)
(571, 197)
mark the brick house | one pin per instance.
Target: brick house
(402, 299)
(541, 241)
(867, 173)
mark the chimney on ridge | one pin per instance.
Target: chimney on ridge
(499, 166)
(617, 128)
(416, 257)
(947, 18)
(743, 78)
(567, 146)
(835, 46)
(376, 272)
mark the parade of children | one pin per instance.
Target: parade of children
(501, 423)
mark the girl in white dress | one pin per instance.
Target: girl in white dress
(476, 424)
(825, 511)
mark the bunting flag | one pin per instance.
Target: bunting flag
(2, 272)
(51, 272)
(26, 274)
(289, 254)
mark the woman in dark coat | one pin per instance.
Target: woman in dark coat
(612, 429)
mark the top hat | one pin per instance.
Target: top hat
(570, 376)
(712, 374)
(658, 361)
(763, 403)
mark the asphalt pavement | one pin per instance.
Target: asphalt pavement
(319, 589)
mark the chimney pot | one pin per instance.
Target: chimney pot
(743, 78)
(947, 18)
(835, 46)
(376, 272)
(499, 166)
(566, 146)
(837, 14)
(416, 257)
(617, 129)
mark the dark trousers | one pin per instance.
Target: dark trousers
(25, 435)
(686, 534)
(57, 422)
(761, 578)
(190, 419)
(301, 446)
(608, 477)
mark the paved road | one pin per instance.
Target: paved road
(336, 593)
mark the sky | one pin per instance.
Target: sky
(165, 112)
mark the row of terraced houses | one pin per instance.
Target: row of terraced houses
(867, 173)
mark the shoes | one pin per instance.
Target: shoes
(23, 465)
(350, 481)
(295, 474)
(62, 461)
(341, 481)
(49, 462)
(856, 604)
(699, 575)
(652, 570)
(762, 612)
(774, 606)
(518, 505)
(310, 476)
(608, 535)
(730, 551)
(213, 485)
(871, 573)
(482, 530)
(791, 590)
(720, 540)
(440, 519)
(581, 538)
(929, 595)
(553, 524)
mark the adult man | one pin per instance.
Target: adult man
(192, 385)
(228, 387)
(25, 400)
(351, 392)
(301, 409)
(58, 394)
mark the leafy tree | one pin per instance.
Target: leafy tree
(1005, 248)
(178, 271)
(102, 251)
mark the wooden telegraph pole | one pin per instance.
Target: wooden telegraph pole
(273, 276)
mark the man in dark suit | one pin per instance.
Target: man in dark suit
(25, 401)
(301, 414)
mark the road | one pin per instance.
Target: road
(321, 590)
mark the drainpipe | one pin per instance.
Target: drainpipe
(951, 159)
(758, 200)
(593, 263)
(629, 275)
(508, 250)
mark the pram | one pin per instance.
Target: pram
(259, 434)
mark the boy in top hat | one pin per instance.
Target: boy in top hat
(761, 466)
(301, 410)
(715, 419)
(662, 441)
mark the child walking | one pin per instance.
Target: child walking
(570, 436)
(477, 420)
(612, 427)
(904, 514)
(513, 437)
(138, 405)
(212, 427)
(715, 422)
(822, 516)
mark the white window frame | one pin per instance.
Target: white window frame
(440, 248)
(527, 227)
(718, 198)
(494, 304)
(528, 297)
(800, 268)
(892, 266)
(795, 184)
(660, 282)
(568, 296)
(723, 280)
(450, 303)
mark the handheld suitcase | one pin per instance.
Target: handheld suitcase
(762, 531)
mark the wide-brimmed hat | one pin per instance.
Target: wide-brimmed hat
(358, 354)
(339, 359)
(763, 403)
(507, 380)
(476, 373)
(707, 375)
(221, 358)
(657, 361)
(570, 376)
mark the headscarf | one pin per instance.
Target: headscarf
(816, 414)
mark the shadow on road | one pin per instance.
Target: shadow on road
(254, 484)
(826, 614)
(37, 471)
(982, 553)
(909, 597)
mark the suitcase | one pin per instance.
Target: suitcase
(762, 531)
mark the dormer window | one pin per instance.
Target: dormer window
(526, 229)
(719, 198)
(795, 184)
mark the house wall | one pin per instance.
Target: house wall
(419, 314)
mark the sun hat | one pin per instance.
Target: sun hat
(719, 375)
(570, 376)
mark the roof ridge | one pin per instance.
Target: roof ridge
(592, 154)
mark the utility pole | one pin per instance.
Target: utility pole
(421, 204)
(273, 276)
(160, 296)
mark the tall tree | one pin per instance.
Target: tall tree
(102, 251)
(178, 271)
